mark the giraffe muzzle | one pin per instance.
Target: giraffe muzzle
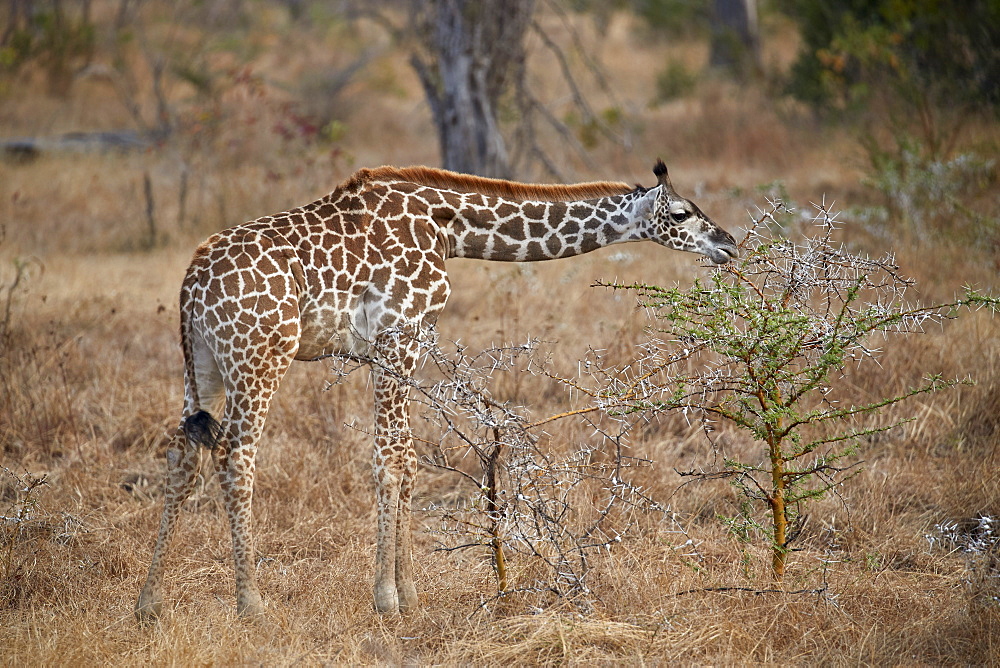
(722, 247)
(721, 253)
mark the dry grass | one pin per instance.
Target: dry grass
(90, 384)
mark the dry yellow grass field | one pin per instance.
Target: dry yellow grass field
(91, 385)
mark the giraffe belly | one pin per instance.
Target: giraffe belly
(342, 324)
(327, 331)
(351, 328)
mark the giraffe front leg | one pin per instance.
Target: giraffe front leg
(405, 587)
(394, 467)
(183, 463)
(387, 487)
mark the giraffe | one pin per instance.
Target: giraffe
(335, 277)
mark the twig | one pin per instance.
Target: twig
(751, 590)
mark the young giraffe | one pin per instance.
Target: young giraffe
(338, 277)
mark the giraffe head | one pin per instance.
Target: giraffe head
(676, 222)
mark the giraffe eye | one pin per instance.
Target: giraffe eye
(680, 216)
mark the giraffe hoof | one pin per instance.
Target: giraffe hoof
(148, 609)
(387, 610)
(408, 599)
(386, 601)
(250, 605)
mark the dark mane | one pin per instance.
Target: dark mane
(512, 190)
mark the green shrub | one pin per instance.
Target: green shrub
(766, 344)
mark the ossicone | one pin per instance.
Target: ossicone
(660, 170)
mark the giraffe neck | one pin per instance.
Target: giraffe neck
(511, 231)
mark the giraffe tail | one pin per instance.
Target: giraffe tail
(202, 429)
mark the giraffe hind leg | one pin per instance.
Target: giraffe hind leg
(235, 470)
(196, 430)
(183, 464)
(243, 424)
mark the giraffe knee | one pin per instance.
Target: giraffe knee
(182, 470)
(173, 459)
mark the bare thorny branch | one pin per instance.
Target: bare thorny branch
(551, 504)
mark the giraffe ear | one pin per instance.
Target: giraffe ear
(662, 177)
(643, 207)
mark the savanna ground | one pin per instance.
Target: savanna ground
(91, 385)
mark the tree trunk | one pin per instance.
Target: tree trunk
(469, 54)
(735, 36)
(779, 516)
(492, 482)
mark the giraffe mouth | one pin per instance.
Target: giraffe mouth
(722, 254)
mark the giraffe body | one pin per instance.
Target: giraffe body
(337, 277)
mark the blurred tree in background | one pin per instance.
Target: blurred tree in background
(927, 61)
(469, 54)
(733, 26)
(909, 69)
(58, 34)
(911, 76)
(735, 37)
